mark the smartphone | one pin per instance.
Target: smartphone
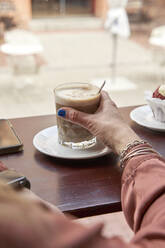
(9, 140)
(14, 179)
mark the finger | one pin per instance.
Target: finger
(74, 116)
(105, 103)
(105, 96)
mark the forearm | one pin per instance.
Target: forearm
(31, 196)
(122, 136)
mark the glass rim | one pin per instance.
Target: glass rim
(73, 83)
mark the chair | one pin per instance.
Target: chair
(21, 47)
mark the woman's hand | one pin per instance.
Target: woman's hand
(106, 124)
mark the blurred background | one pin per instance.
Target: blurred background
(47, 42)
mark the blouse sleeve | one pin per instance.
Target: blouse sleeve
(143, 200)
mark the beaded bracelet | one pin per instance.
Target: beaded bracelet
(126, 155)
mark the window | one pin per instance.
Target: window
(61, 7)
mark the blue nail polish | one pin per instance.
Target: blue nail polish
(61, 113)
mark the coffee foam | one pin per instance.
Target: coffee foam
(77, 94)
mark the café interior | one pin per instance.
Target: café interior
(44, 43)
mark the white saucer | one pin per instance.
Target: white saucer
(46, 141)
(144, 117)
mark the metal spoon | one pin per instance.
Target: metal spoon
(101, 87)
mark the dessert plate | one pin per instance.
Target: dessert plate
(144, 117)
(46, 141)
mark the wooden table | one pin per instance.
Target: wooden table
(82, 188)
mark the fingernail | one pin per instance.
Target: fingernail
(61, 113)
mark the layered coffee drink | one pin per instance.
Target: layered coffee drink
(83, 97)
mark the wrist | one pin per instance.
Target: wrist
(122, 136)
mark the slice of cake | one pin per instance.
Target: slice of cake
(157, 103)
(159, 92)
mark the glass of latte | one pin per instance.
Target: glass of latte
(83, 97)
